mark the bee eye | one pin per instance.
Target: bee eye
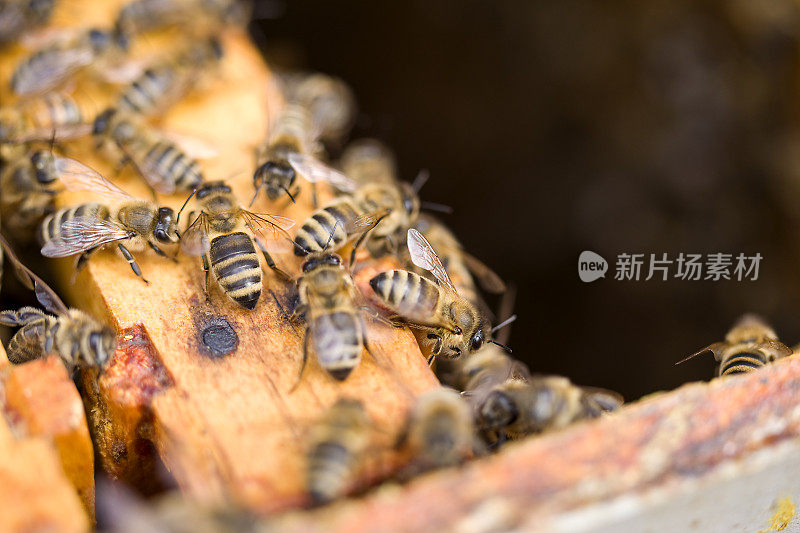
(477, 340)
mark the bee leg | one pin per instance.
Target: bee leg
(161, 252)
(303, 365)
(131, 261)
(205, 269)
(286, 317)
(314, 201)
(271, 262)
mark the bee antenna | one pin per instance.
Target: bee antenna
(330, 236)
(177, 218)
(504, 323)
(503, 346)
(421, 179)
(434, 206)
(255, 195)
(289, 194)
(52, 140)
(301, 247)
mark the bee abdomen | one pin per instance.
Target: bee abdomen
(144, 94)
(173, 165)
(329, 466)
(742, 363)
(315, 233)
(407, 293)
(236, 268)
(51, 228)
(337, 342)
(27, 343)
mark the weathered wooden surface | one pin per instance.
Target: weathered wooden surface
(45, 452)
(226, 428)
(681, 447)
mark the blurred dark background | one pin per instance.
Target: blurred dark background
(555, 127)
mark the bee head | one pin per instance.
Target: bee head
(276, 178)
(43, 163)
(102, 121)
(316, 261)
(102, 343)
(497, 411)
(165, 226)
(99, 39)
(410, 200)
(211, 187)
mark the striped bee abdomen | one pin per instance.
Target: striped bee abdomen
(329, 466)
(171, 165)
(337, 342)
(51, 228)
(235, 265)
(408, 294)
(315, 233)
(146, 93)
(742, 362)
(28, 343)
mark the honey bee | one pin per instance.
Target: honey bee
(440, 430)
(478, 370)
(216, 234)
(18, 17)
(453, 324)
(518, 407)
(55, 116)
(749, 345)
(80, 340)
(83, 229)
(27, 191)
(55, 63)
(338, 443)
(163, 165)
(369, 161)
(161, 85)
(327, 299)
(140, 16)
(329, 100)
(462, 267)
(290, 151)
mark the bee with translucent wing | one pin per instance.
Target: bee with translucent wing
(131, 223)
(219, 235)
(79, 339)
(749, 345)
(27, 191)
(56, 62)
(453, 324)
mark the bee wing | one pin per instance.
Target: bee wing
(80, 234)
(44, 294)
(194, 240)
(314, 170)
(488, 278)
(715, 348)
(776, 347)
(270, 230)
(122, 72)
(62, 64)
(424, 256)
(78, 177)
(365, 222)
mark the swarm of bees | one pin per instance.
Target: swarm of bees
(487, 397)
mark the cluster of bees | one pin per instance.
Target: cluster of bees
(487, 397)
